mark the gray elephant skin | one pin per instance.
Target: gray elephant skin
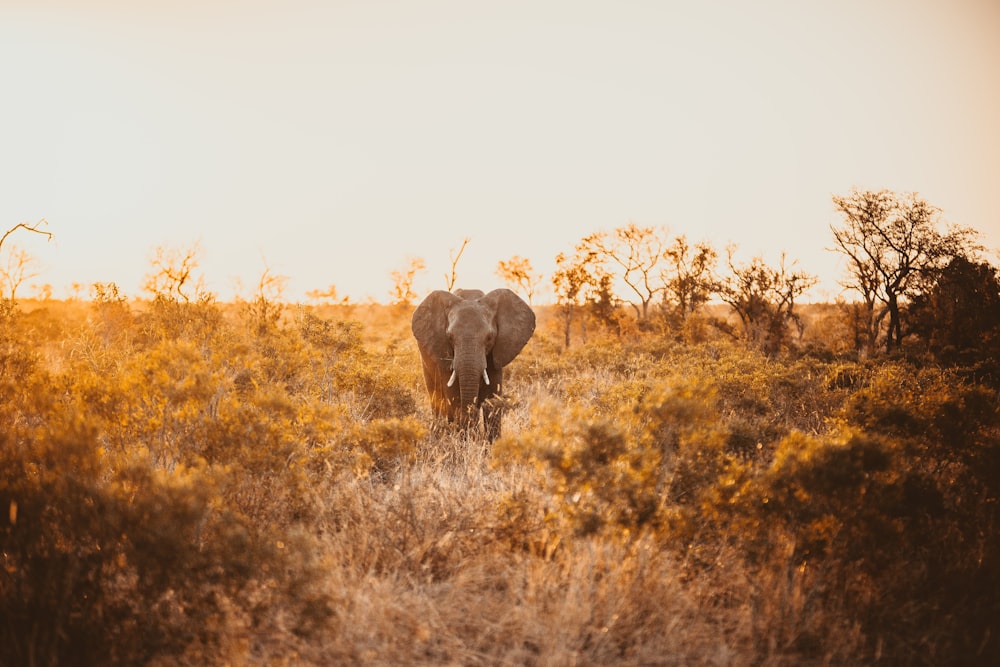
(465, 340)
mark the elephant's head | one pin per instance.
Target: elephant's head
(467, 337)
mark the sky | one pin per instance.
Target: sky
(331, 142)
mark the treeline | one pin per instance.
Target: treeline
(908, 282)
(912, 282)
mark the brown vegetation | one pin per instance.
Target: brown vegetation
(189, 482)
(183, 481)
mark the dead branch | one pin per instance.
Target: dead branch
(28, 227)
(452, 278)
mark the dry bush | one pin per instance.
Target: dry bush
(204, 483)
(449, 560)
(108, 559)
(865, 489)
(170, 476)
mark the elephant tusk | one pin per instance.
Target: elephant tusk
(451, 380)
(486, 376)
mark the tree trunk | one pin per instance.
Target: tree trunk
(568, 322)
(895, 334)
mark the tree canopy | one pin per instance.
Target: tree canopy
(893, 242)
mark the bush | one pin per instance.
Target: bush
(198, 483)
(114, 569)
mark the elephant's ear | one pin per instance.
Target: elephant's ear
(515, 323)
(430, 322)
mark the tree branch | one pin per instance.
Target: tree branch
(452, 278)
(31, 228)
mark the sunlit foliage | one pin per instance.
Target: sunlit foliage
(637, 254)
(691, 280)
(520, 276)
(764, 298)
(402, 281)
(173, 274)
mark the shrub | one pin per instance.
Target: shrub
(113, 569)
(197, 483)
(114, 555)
(883, 519)
(378, 444)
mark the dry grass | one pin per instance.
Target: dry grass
(431, 570)
(266, 487)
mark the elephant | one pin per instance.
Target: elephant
(465, 339)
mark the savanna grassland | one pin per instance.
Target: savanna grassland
(260, 483)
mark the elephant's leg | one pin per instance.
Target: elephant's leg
(440, 407)
(492, 416)
(492, 402)
(441, 404)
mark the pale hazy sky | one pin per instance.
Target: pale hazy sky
(329, 141)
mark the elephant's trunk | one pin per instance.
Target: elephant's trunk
(468, 386)
(469, 369)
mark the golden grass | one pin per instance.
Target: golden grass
(236, 488)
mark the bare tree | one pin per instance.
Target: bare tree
(402, 281)
(451, 278)
(173, 273)
(20, 264)
(518, 273)
(764, 299)
(892, 242)
(43, 292)
(689, 280)
(639, 252)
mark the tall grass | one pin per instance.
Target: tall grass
(202, 483)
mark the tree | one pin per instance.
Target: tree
(19, 262)
(402, 293)
(173, 274)
(639, 252)
(43, 292)
(891, 240)
(18, 268)
(568, 281)
(263, 311)
(764, 299)
(958, 316)
(580, 280)
(519, 275)
(328, 295)
(689, 280)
